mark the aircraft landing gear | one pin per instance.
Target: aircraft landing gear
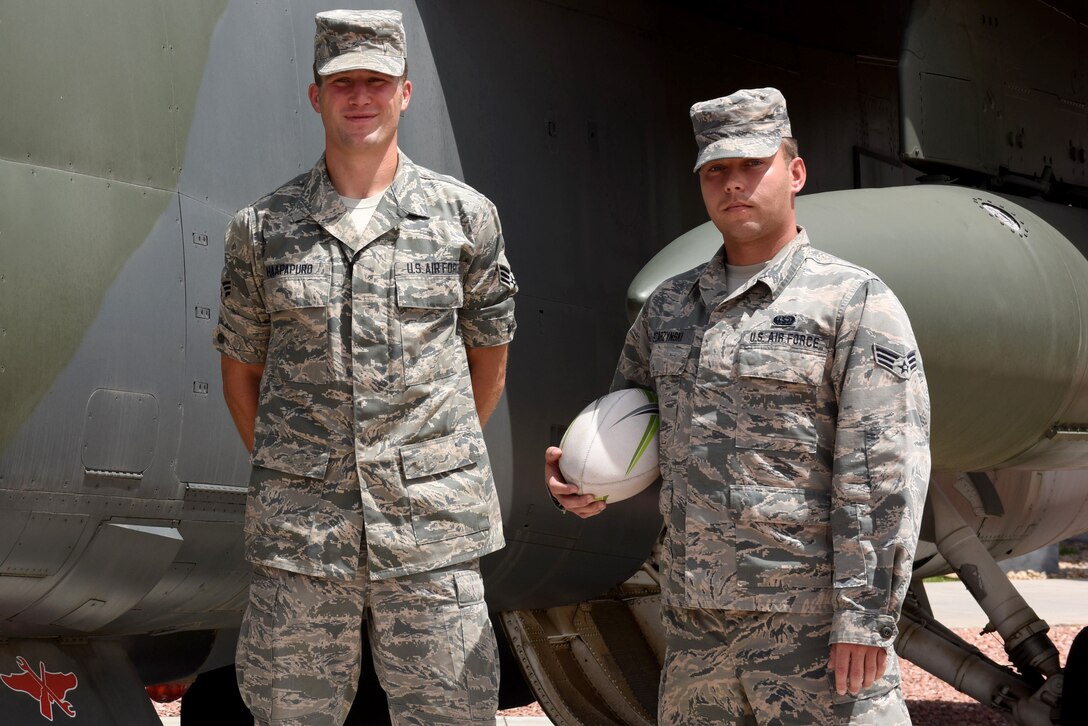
(1031, 694)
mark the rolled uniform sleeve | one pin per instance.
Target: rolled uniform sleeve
(244, 328)
(487, 316)
(881, 464)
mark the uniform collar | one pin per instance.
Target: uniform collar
(406, 192)
(404, 197)
(780, 271)
(711, 282)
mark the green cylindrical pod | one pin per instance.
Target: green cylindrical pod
(997, 294)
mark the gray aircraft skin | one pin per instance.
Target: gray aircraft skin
(133, 130)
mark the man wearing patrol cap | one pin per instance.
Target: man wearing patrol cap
(365, 312)
(794, 451)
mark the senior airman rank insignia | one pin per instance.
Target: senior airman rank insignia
(901, 364)
(506, 277)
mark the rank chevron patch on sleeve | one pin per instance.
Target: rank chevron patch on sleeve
(901, 364)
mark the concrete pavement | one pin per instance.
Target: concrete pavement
(1058, 602)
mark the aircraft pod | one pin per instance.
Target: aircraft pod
(997, 296)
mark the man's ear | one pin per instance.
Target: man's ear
(798, 174)
(315, 94)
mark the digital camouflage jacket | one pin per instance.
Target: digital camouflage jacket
(366, 424)
(794, 439)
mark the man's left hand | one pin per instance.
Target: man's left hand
(856, 666)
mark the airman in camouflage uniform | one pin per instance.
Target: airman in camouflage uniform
(794, 452)
(359, 365)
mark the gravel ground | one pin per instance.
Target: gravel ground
(168, 709)
(1072, 564)
(931, 701)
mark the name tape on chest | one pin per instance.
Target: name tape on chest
(902, 365)
(293, 269)
(672, 336)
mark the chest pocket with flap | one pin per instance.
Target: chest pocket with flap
(777, 390)
(427, 313)
(299, 344)
(669, 362)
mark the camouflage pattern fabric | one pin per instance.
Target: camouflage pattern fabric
(366, 423)
(747, 124)
(438, 658)
(794, 439)
(348, 40)
(735, 667)
(433, 646)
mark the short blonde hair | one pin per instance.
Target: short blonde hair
(789, 145)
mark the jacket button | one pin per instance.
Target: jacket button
(886, 631)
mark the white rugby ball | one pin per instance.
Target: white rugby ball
(610, 449)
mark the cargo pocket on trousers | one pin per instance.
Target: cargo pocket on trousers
(253, 655)
(446, 489)
(474, 647)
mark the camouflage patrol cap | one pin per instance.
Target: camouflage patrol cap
(750, 123)
(351, 40)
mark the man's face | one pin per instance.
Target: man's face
(750, 200)
(360, 109)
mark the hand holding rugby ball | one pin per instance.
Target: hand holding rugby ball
(610, 449)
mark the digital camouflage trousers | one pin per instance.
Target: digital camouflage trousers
(433, 647)
(765, 668)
